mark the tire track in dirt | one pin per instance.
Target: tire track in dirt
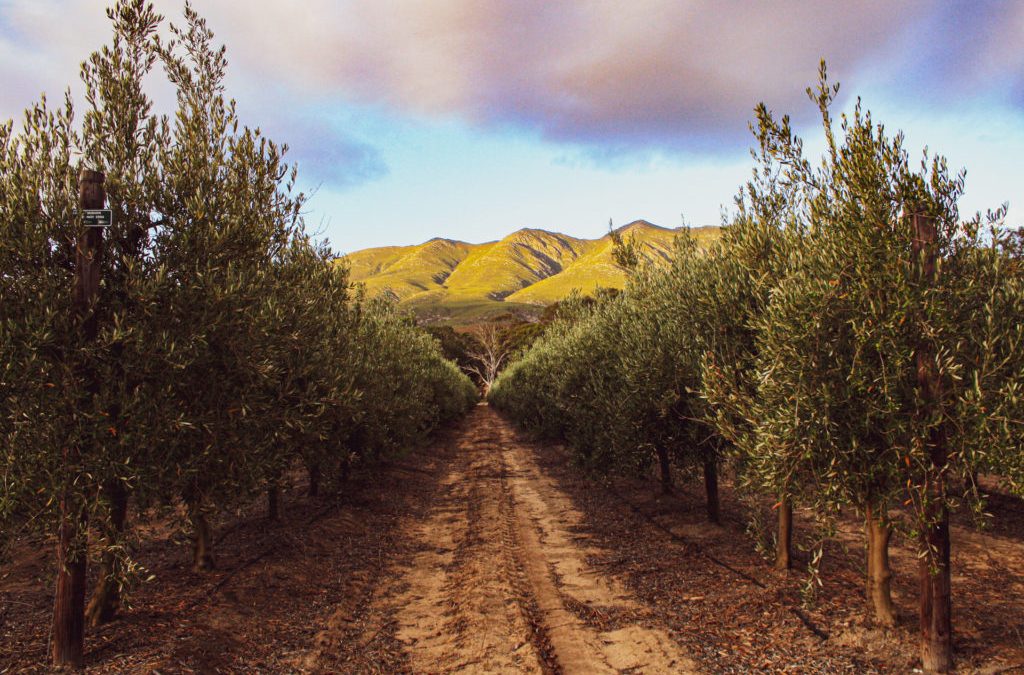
(458, 608)
(499, 580)
(594, 624)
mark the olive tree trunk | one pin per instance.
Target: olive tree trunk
(314, 480)
(711, 489)
(273, 502)
(936, 600)
(666, 471)
(879, 581)
(784, 542)
(202, 538)
(106, 596)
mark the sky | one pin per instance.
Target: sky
(469, 119)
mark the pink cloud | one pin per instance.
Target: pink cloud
(641, 74)
(647, 71)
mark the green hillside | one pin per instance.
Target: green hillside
(597, 267)
(521, 259)
(446, 280)
(408, 270)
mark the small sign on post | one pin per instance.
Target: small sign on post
(97, 217)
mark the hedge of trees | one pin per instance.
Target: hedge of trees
(850, 342)
(225, 346)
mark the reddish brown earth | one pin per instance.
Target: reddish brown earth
(486, 552)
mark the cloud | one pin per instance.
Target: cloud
(43, 42)
(326, 154)
(648, 74)
(609, 76)
(996, 36)
(957, 52)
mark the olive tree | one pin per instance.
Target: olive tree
(884, 352)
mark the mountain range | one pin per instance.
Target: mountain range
(448, 280)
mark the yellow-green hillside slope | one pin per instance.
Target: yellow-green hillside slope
(519, 260)
(405, 271)
(597, 267)
(445, 280)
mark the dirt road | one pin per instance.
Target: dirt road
(499, 579)
(486, 552)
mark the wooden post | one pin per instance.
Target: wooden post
(936, 603)
(67, 647)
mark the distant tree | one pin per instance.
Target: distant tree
(625, 250)
(488, 352)
(455, 345)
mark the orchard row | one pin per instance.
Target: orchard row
(222, 347)
(849, 342)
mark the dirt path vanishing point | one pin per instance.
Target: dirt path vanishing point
(498, 578)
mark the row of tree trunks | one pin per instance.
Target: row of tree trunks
(71, 615)
(879, 574)
(202, 538)
(710, 482)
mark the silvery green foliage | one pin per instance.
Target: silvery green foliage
(830, 410)
(788, 345)
(230, 346)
